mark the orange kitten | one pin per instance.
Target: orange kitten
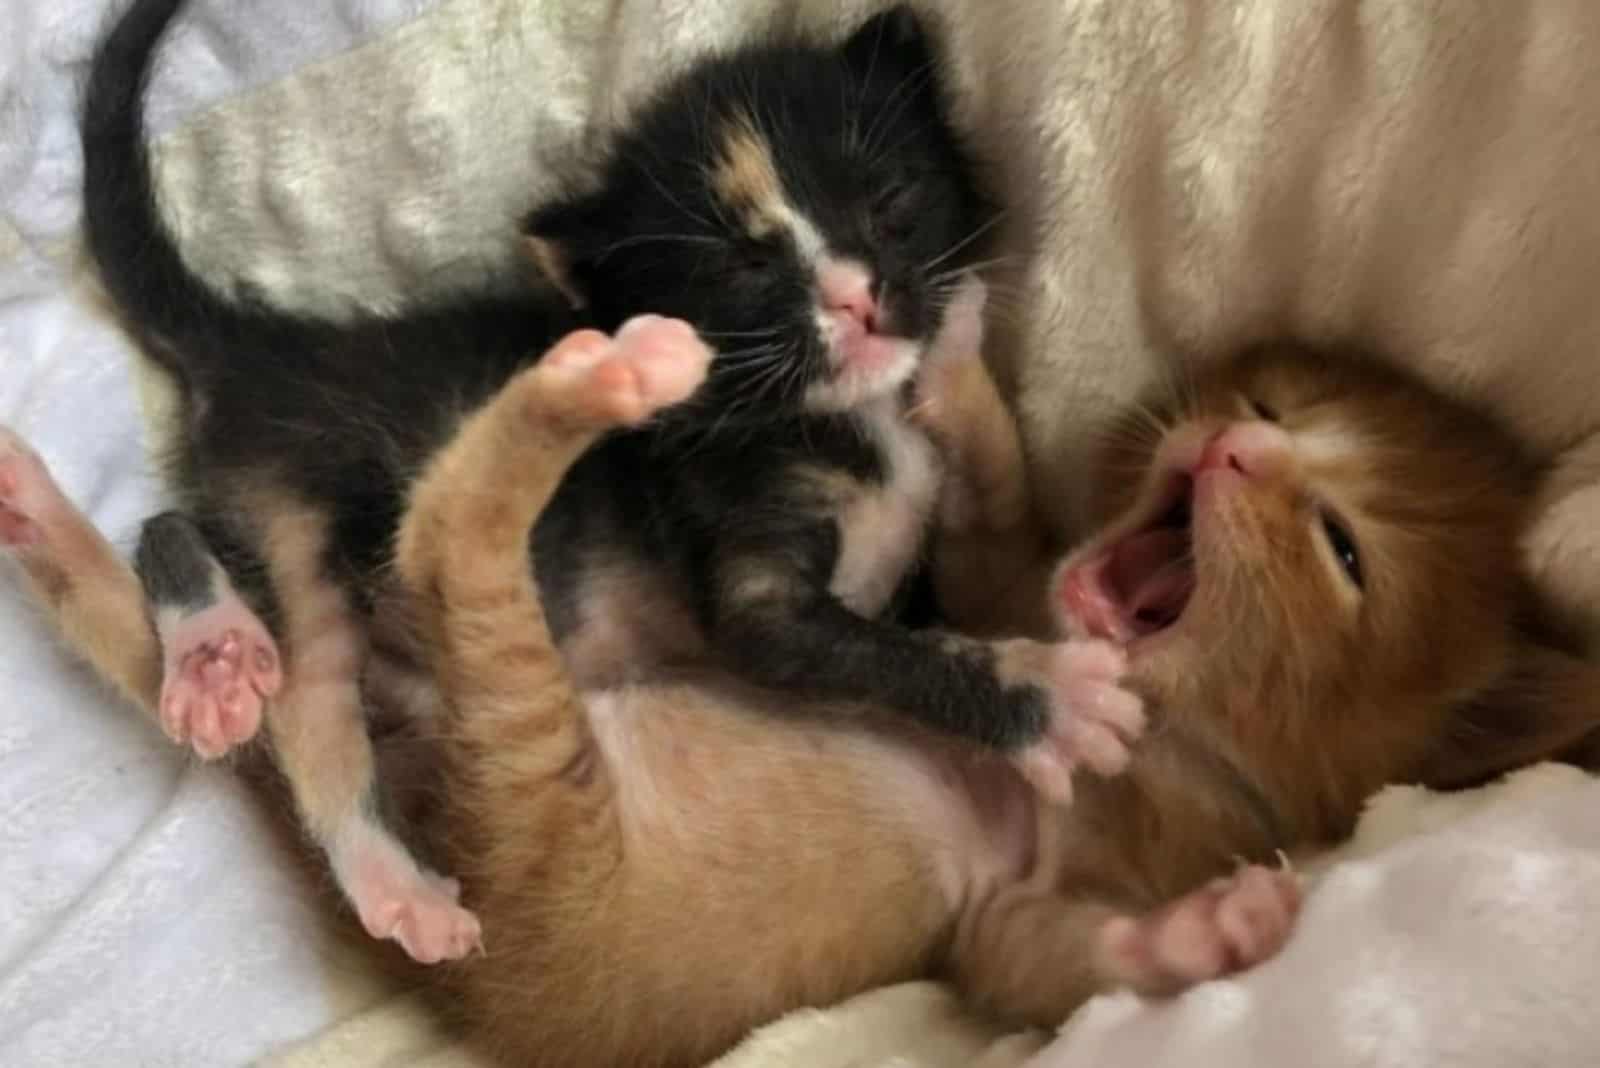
(1315, 580)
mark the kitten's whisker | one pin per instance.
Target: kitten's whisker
(967, 268)
(661, 187)
(898, 100)
(771, 332)
(649, 239)
(977, 232)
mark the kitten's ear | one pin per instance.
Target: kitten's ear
(562, 240)
(896, 36)
(1546, 707)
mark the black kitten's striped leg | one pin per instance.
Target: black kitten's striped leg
(1049, 706)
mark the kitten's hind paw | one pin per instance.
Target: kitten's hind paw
(220, 667)
(651, 363)
(395, 899)
(1091, 719)
(1224, 927)
(27, 493)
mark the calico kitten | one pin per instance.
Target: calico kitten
(807, 208)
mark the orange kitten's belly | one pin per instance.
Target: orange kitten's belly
(708, 775)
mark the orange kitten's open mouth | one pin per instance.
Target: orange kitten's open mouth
(1140, 583)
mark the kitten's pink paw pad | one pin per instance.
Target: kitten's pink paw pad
(26, 492)
(423, 914)
(1224, 927)
(651, 364)
(1093, 720)
(221, 666)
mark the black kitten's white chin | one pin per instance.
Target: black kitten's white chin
(862, 370)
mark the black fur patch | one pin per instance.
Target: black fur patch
(343, 416)
(174, 563)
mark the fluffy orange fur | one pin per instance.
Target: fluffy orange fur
(661, 867)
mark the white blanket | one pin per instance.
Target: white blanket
(1190, 173)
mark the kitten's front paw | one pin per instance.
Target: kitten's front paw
(1091, 719)
(651, 363)
(1224, 927)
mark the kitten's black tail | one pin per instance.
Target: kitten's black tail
(178, 319)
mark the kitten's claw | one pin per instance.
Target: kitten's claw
(1224, 927)
(1092, 719)
(651, 363)
(27, 493)
(220, 667)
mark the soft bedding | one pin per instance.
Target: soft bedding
(1181, 175)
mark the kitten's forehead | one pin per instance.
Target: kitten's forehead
(744, 178)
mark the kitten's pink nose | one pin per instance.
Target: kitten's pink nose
(847, 290)
(1251, 449)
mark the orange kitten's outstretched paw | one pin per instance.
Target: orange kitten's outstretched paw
(27, 493)
(1224, 927)
(220, 667)
(1092, 720)
(651, 363)
(417, 909)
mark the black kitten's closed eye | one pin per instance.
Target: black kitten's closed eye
(753, 261)
(1263, 411)
(1344, 548)
(893, 209)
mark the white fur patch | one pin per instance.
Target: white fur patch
(881, 531)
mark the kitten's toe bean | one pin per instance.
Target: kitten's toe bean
(1099, 747)
(1092, 720)
(27, 492)
(652, 363)
(1256, 913)
(1226, 926)
(1046, 771)
(577, 351)
(668, 359)
(416, 909)
(220, 667)
(1167, 950)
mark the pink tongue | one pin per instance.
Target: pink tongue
(1149, 574)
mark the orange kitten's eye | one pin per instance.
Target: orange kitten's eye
(1344, 548)
(1263, 411)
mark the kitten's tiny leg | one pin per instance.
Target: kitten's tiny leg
(462, 551)
(1050, 707)
(991, 557)
(1029, 955)
(219, 662)
(320, 740)
(94, 598)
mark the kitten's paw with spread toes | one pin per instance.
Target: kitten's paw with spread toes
(220, 668)
(415, 908)
(1224, 927)
(651, 363)
(1091, 719)
(27, 493)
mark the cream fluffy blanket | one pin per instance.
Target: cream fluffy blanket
(1181, 175)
